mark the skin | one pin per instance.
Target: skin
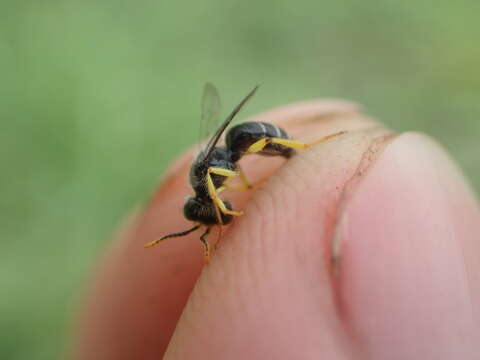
(364, 247)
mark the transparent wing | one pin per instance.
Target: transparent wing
(214, 139)
(211, 108)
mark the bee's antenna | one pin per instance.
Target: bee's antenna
(183, 233)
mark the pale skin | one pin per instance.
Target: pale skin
(396, 213)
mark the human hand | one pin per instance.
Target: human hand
(363, 247)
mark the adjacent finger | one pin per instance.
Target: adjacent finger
(409, 278)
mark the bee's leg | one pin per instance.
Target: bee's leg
(203, 239)
(225, 186)
(217, 214)
(223, 208)
(222, 188)
(244, 186)
(219, 238)
(260, 144)
(300, 145)
(214, 192)
(222, 171)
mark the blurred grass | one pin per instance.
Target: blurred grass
(97, 97)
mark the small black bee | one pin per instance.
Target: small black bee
(216, 165)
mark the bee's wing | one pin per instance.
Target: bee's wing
(214, 139)
(211, 107)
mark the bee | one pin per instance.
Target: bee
(216, 165)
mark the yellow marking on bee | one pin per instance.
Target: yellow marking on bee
(257, 146)
(223, 172)
(214, 194)
(260, 144)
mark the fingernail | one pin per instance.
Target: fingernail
(409, 276)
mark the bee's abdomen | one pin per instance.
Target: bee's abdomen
(239, 138)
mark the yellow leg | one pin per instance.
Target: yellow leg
(206, 246)
(244, 186)
(243, 177)
(214, 194)
(260, 144)
(222, 188)
(225, 185)
(223, 172)
(217, 214)
(233, 187)
(224, 209)
(219, 238)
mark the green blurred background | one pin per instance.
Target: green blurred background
(98, 96)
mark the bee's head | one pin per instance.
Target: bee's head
(203, 211)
